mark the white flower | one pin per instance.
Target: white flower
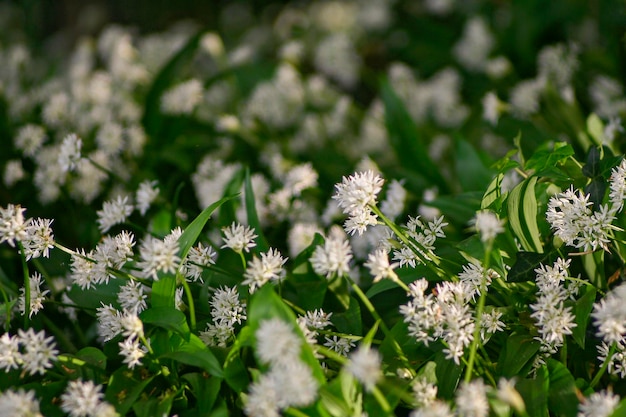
(37, 296)
(476, 278)
(198, 258)
(81, 398)
(471, 399)
(609, 315)
(364, 365)
(617, 185)
(30, 138)
(10, 356)
(13, 172)
(277, 341)
(109, 322)
(262, 398)
(132, 325)
(158, 256)
(238, 237)
(19, 403)
(393, 204)
(599, 404)
(317, 319)
(12, 225)
(39, 239)
(333, 258)
(378, 264)
(341, 345)
(267, 268)
(300, 178)
(113, 212)
(182, 98)
(146, 194)
(131, 297)
(39, 351)
(488, 225)
(69, 154)
(226, 306)
(132, 351)
(356, 192)
(424, 392)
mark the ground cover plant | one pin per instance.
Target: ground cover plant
(326, 209)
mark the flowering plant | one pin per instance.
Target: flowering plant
(210, 237)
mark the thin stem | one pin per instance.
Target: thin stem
(243, 259)
(7, 306)
(192, 308)
(604, 367)
(380, 398)
(26, 287)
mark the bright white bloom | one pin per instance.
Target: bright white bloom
(132, 325)
(198, 258)
(364, 365)
(609, 315)
(263, 398)
(492, 108)
(158, 256)
(393, 204)
(182, 98)
(437, 408)
(295, 384)
(19, 403)
(488, 225)
(10, 355)
(379, 266)
(617, 185)
(132, 351)
(81, 398)
(113, 212)
(599, 404)
(39, 239)
(317, 319)
(267, 268)
(239, 237)
(69, 154)
(490, 323)
(13, 172)
(617, 360)
(424, 392)
(226, 306)
(425, 236)
(301, 236)
(333, 258)
(30, 138)
(131, 297)
(12, 225)
(358, 222)
(509, 395)
(356, 192)
(109, 322)
(476, 278)
(277, 342)
(37, 296)
(146, 194)
(475, 45)
(299, 178)
(471, 399)
(39, 351)
(341, 345)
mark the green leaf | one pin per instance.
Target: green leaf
(522, 214)
(535, 393)
(448, 375)
(493, 194)
(163, 292)
(349, 321)
(562, 398)
(253, 217)
(160, 406)
(467, 161)
(205, 389)
(235, 372)
(168, 318)
(405, 140)
(339, 292)
(582, 311)
(93, 356)
(620, 410)
(547, 158)
(191, 233)
(595, 128)
(523, 270)
(518, 351)
(460, 208)
(125, 386)
(196, 353)
(93, 298)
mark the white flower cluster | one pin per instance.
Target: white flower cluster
(609, 316)
(289, 381)
(85, 399)
(447, 316)
(269, 267)
(226, 311)
(198, 258)
(333, 258)
(37, 296)
(356, 195)
(35, 235)
(19, 403)
(33, 352)
(554, 319)
(422, 244)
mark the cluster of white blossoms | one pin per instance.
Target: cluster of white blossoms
(447, 316)
(609, 317)
(269, 267)
(85, 399)
(421, 245)
(239, 238)
(554, 319)
(37, 296)
(198, 258)
(356, 195)
(19, 403)
(226, 311)
(159, 255)
(289, 382)
(30, 351)
(333, 258)
(112, 323)
(571, 216)
(118, 210)
(35, 235)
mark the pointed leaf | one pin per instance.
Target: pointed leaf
(516, 354)
(253, 217)
(523, 270)
(124, 388)
(168, 318)
(522, 214)
(562, 398)
(582, 311)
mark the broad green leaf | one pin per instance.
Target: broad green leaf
(493, 194)
(547, 158)
(562, 398)
(349, 321)
(595, 128)
(448, 375)
(582, 311)
(620, 410)
(168, 318)
(155, 406)
(163, 292)
(196, 353)
(93, 356)
(235, 372)
(468, 161)
(93, 298)
(191, 233)
(594, 267)
(253, 217)
(205, 389)
(522, 215)
(340, 397)
(518, 351)
(125, 386)
(523, 270)
(535, 393)
(460, 208)
(405, 140)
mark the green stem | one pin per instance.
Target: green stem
(243, 260)
(604, 367)
(7, 306)
(295, 412)
(192, 308)
(382, 401)
(26, 287)
(294, 307)
(479, 313)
